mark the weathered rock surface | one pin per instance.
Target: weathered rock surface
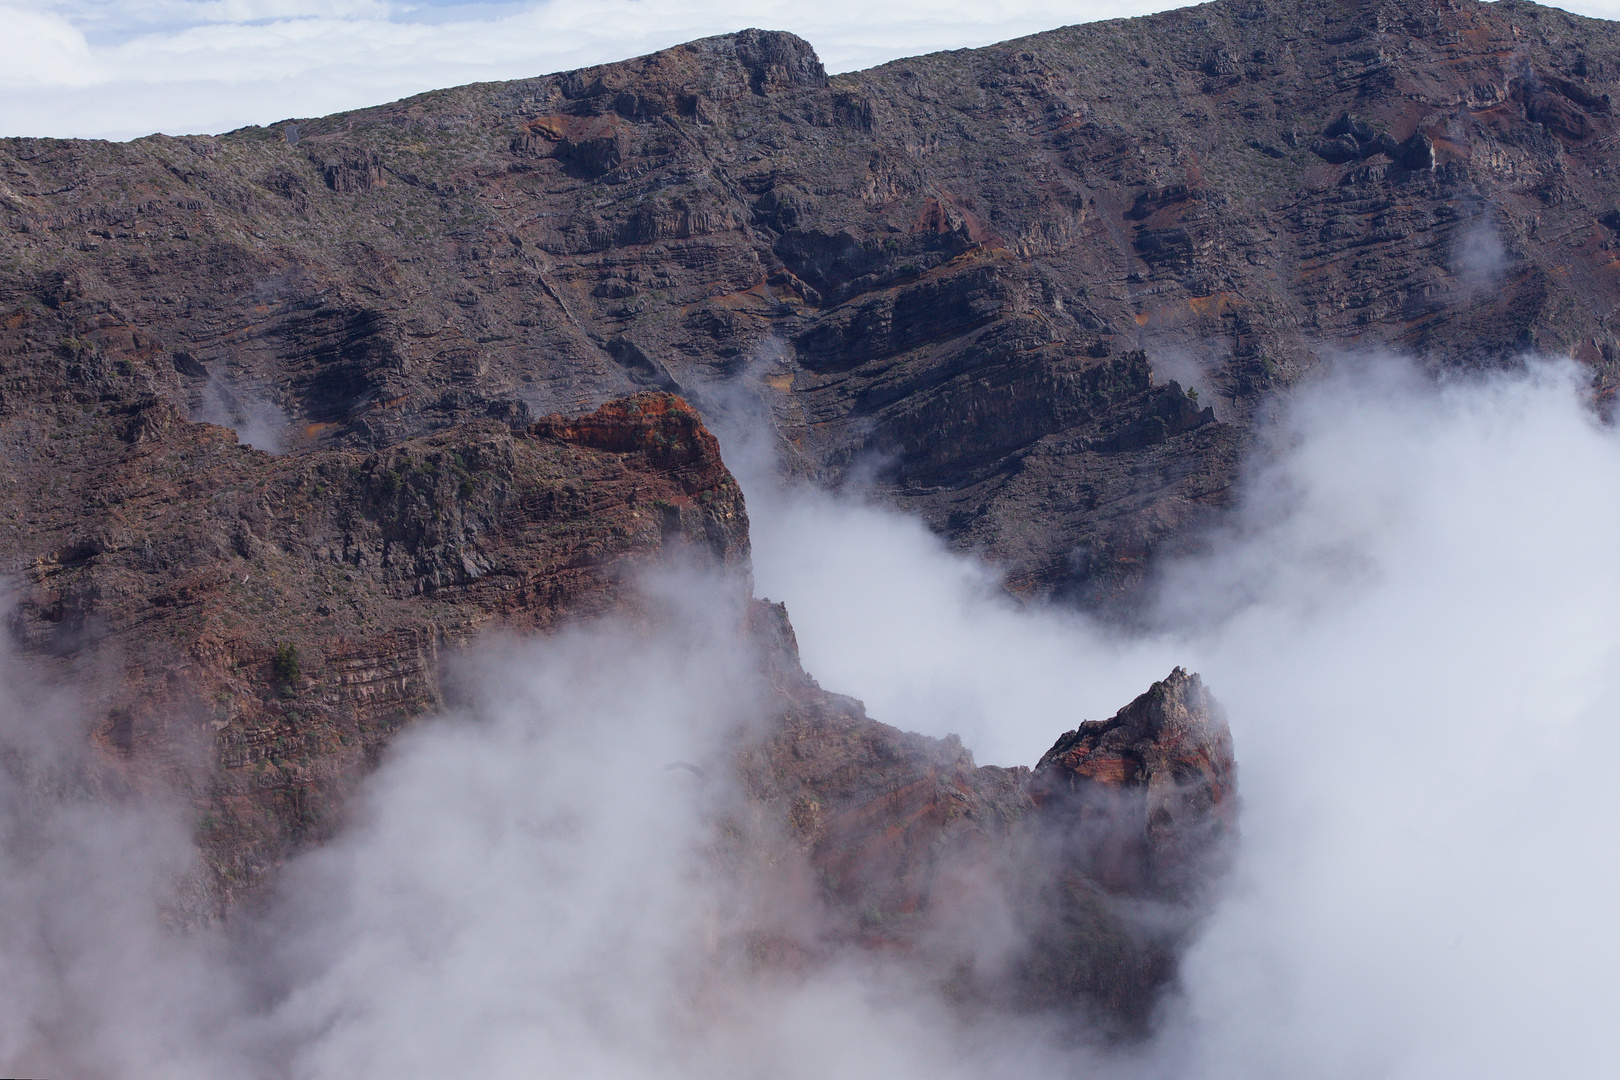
(1147, 791)
(251, 629)
(1074, 884)
(1135, 821)
(949, 267)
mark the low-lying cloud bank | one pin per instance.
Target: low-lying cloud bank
(1411, 619)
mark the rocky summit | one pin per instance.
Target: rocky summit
(1036, 294)
(1101, 859)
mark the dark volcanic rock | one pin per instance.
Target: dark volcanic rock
(943, 266)
(956, 270)
(249, 631)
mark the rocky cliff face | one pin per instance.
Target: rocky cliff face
(1074, 884)
(252, 629)
(970, 275)
(957, 270)
(248, 631)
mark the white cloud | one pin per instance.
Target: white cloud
(1413, 620)
(125, 68)
(926, 638)
(1423, 686)
(43, 50)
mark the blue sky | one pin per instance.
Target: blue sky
(124, 68)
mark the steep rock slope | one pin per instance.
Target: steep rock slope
(251, 630)
(248, 632)
(953, 273)
(1072, 884)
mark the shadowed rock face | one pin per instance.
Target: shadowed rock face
(959, 270)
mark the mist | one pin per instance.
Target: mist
(1190, 372)
(1410, 617)
(1478, 258)
(94, 979)
(1413, 620)
(526, 882)
(256, 420)
(1421, 663)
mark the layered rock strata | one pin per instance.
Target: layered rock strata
(971, 275)
(250, 630)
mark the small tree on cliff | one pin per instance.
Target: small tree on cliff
(284, 665)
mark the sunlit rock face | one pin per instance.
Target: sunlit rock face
(1148, 792)
(1135, 821)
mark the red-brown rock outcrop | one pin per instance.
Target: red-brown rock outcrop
(250, 630)
(1148, 793)
(1072, 886)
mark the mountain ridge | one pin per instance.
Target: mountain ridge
(1036, 294)
(969, 277)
